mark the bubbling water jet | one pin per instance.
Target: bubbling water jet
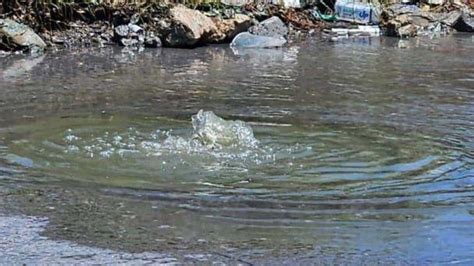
(213, 131)
(213, 141)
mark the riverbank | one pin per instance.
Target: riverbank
(152, 26)
(155, 25)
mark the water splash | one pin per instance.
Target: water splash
(214, 131)
(166, 152)
(213, 142)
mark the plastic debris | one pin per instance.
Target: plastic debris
(248, 40)
(360, 30)
(351, 11)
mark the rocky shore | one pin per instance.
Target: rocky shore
(33, 28)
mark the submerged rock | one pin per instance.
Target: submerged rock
(272, 27)
(248, 40)
(188, 27)
(20, 35)
(214, 131)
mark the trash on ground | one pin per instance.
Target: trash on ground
(367, 30)
(248, 40)
(358, 12)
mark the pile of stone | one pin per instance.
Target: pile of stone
(178, 26)
(81, 34)
(155, 26)
(411, 20)
(132, 35)
(182, 27)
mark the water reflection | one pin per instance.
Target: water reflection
(20, 69)
(266, 57)
(22, 236)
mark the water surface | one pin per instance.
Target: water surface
(364, 154)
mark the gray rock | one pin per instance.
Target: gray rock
(410, 20)
(21, 35)
(121, 31)
(135, 19)
(135, 28)
(188, 27)
(164, 26)
(229, 28)
(400, 9)
(452, 18)
(272, 27)
(152, 41)
(408, 30)
(465, 22)
(121, 35)
(127, 42)
(248, 40)
(269, 33)
(132, 35)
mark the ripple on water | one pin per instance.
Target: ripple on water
(324, 171)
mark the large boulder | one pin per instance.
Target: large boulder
(465, 23)
(20, 35)
(450, 19)
(188, 28)
(272, 27)
(229, 28)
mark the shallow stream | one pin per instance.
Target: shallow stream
(361, 152)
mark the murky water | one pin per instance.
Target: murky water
(363, 152)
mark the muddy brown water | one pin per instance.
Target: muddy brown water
(365, 155)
